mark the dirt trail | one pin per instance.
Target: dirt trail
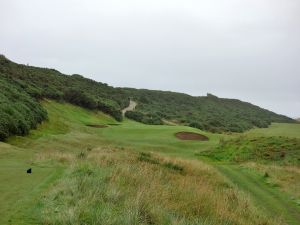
(131, 107)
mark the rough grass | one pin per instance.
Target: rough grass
(115, 178)
(48, 151)
(287, 178)
(277, 129)
(265, 165)
(116, 187)
(282, 150)
(267, 197)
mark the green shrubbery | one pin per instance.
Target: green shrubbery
(48, 83)
(152, 119)
(78, 97)
(22, 86)
(18, 111)
(206, 113)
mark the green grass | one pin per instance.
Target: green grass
(275, 149)
(65, 132)
(59, 148)
(157, 138)
(291, 130)
(21, 87)
(116, 187)
(19, 190)
(268, 198)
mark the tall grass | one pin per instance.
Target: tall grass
(105, 184)
(113, 186)
(286, 178)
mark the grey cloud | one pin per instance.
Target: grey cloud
(240, 49)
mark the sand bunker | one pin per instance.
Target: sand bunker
(97, 125)
(191, 136)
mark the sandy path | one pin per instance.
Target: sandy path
(131, 107)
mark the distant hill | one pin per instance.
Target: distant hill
(23, 86)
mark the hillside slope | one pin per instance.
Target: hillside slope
(26, 85)
(206, 112)
(114, 179)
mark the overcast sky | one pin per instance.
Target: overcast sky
(245, 49)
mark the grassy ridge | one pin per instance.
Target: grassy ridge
(24, 86)
(206, 113)
(42, 83)
(283, 150)
(277, 129)
(103, 179)
(130, 172)
(265, 164)
(64, 132)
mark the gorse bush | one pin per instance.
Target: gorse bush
(48, 83)
(153, 119)
(207, 113)
(18, 111)
(22, 86)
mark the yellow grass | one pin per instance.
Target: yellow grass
(112, 186)
(287, 178)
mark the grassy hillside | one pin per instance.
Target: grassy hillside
(42, 83)
(116, 175)
(283, 150)
(206, 113)
(92, 168)
(24, 86)
(265, 163)
(280, 144)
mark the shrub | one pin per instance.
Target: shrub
(18, 111)
(26, 84)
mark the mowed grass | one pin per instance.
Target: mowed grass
(265, 164)
(285, 178)
(86, 175)
(157, 138)
(291, 130)
(265, 194)
(64, 132)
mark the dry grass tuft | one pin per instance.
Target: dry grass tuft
(62, 157)
(287, 178)
(112, 186)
